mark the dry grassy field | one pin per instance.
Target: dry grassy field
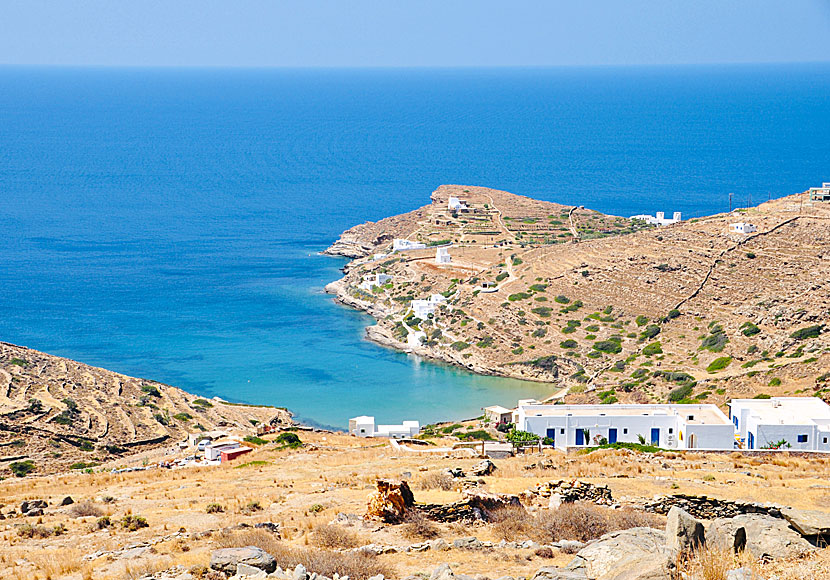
(190, 512)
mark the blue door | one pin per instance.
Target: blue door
(580, 437)
(551, 434)
(751, 440)
(612, 435)
(655, 436)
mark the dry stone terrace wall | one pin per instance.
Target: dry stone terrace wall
(709, 508)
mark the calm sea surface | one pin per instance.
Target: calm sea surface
(166, 223)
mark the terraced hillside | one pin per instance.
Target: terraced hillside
(691, 311)
(57, 412)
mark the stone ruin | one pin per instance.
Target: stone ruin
(709, 508)
(559, 492)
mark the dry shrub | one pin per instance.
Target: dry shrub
(331, 536)
(437, 480)
(585, 521)
(713, 563)
(57, 562)
(511, 523)
(544, 552)
(356, 565)
(87, 508)
(417, 526)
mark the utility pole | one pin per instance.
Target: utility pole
(730, 202)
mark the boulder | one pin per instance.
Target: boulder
(485, 467)
(742, 574)
(684, 534)
(391, 502)
(469, 543)
(33, 507)
(247, 571)
(68, 500)
(551, 573)
(764, 536)
(227, 559)
(439, 544)
(633, 554)
(442, 572)
(808, 522)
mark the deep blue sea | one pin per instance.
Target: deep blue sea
(166, 223)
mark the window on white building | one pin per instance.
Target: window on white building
(690, 418)
(802, 439)
(671, 430)
(625, 431)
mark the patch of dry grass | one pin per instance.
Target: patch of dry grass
(585, 521)
(357, 565)
(334, 536)
(418, 526)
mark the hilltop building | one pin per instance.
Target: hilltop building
(799, 423)
(442, 256)
(401, 245)
(743, 228)
(364, 426)
(659, 219)
(820, 193)
(667, 426)
(455, 204)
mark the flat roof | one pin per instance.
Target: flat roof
(498, 409)
(786, 410)
(703, 414)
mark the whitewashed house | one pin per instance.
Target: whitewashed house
(455, 204)
(743, 228)
(401, 245)
(820, 193)
(498, 415)
(667, 426)
(442, 256)
(423, 309)
(659, 219)
(214, 449)
(364, 426)
(797, 423)
(374, 280)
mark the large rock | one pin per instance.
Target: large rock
(765, 536)
(551, 573)
(634, 554)
(391, 502)
(684, 534)
(808, 522)
(485, 467)
(226, 559)
(442, 572)
(33, 507)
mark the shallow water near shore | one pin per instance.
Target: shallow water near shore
(167, 223)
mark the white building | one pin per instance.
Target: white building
(442, 256)
(415, 338)
(455, 204)
(743, 228)
(364, 426)
(659, 219)
(401, 245)
(801, 422)
(498, 414)
(820, 193)
(374, 280)
(214, 449)
(667, 426)
(423, 309)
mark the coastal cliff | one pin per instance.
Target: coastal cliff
(606, 307)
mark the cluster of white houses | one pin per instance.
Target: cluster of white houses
(365, 426)
(795, 423)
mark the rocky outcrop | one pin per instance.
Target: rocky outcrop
(33, 507)
(764, 536)
(227, 559)
(808, 522)
(684, 534)
(475, 505)
(391, 502)
(482, 468)
(637, 553)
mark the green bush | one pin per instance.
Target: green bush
(641, 320)
(673, 313)
(653, 348)
(569, 344)
(543, 311)
(255, 440)
(807, 332)
(214, 508)
(459, 345)
(184, 417)
(539, 287)
(502, 276)
(749, 329)
(649, 332)
(519, 438)
(716, 340)
(719, 364)
(22, 468)
(478, 435)
(132, 523)
(572, 307)
(774, 382)
(608, 346)
(680, 393)
(519, 296)
(562, 299)
(202, 403)
(290, 440)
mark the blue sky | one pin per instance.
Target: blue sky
(337, 33)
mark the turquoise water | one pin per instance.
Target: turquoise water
(166, 223)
